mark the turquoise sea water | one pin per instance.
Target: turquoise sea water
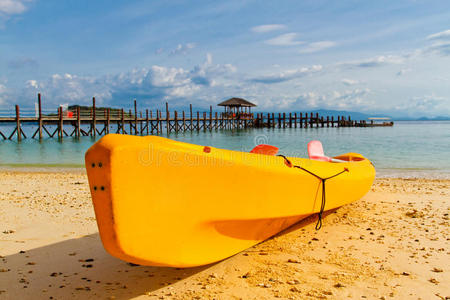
(409, 149)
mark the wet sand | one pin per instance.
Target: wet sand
(392, 244)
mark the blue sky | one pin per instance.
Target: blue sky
(386, 57)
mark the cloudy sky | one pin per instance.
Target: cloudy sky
(389, 57)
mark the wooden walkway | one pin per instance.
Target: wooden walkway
(104, 121)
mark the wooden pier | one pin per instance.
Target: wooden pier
(78, 122)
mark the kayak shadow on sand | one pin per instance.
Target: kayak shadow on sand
(312, 219)
(81, 268)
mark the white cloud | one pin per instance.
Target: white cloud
(182, 49)
(317, 46)
(166, 77)
(73, 88)
(287, 39)
(156, 83)
(208, 61)
(349, 82)
(310, 100)
(11, 7)
(429, 104)
(376, 61)
(267, 28)
(160, 82)
(32, 84)
(442, 48)
(441, 44)
(443, 35)
(286, 75)
(341, 100)
(349, 99)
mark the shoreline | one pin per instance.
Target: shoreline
(391, 244)
(380, 173)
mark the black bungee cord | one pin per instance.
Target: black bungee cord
(322, 206)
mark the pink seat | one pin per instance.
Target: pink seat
(315, 151)
(265, 149)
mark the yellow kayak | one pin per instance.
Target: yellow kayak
(161, 202)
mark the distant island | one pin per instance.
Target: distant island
(364, 116)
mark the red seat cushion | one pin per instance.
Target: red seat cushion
(265, 149)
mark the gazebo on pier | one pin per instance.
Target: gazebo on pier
(237, 107)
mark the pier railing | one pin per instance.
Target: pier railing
(93, 121)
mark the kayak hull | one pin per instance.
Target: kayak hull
(161, 202)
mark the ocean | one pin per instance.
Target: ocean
(408, 149)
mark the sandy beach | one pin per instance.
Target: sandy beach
(391, 244)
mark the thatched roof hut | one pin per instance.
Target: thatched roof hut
(236, 102)
(237, 106)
